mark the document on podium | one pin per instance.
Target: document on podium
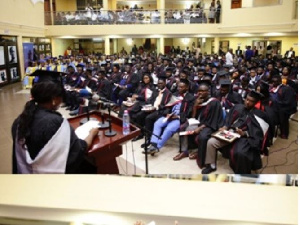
(83, 131)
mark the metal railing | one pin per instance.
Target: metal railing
(98, 17)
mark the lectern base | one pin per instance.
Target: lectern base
(103, 125)
(110, 133)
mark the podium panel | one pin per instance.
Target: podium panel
(104, 150)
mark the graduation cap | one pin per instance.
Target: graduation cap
(256, 95)
(128, 64)
(162, 77)
(102, 72)
(80, 65)
(204, 82)
(227, 66)
(222, 73)
(264, 84)
(225, 82)
(166, 58)
(170, 69)
(208, 75)
(44, 75)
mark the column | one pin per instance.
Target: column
(161, 6)
(115, 43)
(51, 12)
(217, 45)
(161, 45)
(105, 4)
(21, 56)
(107, 46)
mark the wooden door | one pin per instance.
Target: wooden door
(236, 4)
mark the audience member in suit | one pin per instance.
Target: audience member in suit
(290, 53)
(238, 52)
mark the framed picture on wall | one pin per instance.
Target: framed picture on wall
(2, 59)
(14, 73)
(12, 54)
(48, 47)
(3, 77)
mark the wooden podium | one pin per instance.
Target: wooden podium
(104, 149)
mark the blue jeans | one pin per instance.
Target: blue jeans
(171, 127)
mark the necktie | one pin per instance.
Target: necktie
(158, 99)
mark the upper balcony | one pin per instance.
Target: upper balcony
(193, 21)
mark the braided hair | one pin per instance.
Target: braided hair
(42, 92)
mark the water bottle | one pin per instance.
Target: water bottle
(126, 123)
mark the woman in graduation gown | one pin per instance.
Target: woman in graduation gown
(44, 141)
(141, 96)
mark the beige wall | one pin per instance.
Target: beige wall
(216, 201)
(238, 17)
(59, 46)
(21, 18)
(66, 5)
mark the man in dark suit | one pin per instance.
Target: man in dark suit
(238, 52)
(290, 53)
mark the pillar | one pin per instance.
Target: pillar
(216, 44)
(161, 46)
(107, 46)
(21, 55)
(105, 4)
(161, 6)
(51, 12)
(115, 45)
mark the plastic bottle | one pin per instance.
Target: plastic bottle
(126, 123)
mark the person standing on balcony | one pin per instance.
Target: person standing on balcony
(218, 12)
(89, 9)
(211, 14)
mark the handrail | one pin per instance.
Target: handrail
(132, 16)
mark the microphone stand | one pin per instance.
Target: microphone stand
(110, 132)
(146, 132)
(104, 124)
(85, 120)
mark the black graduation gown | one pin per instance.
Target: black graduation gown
(285, 101)
(244, 153)
(211, 116)
(45, 124)
(104, 88)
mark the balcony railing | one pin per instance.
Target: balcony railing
(110, 17)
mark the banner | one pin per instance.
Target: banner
(28, 53)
